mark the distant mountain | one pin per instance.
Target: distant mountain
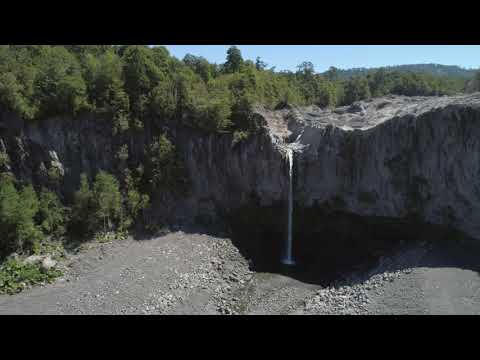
(432, 69)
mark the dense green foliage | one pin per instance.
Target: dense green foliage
(27, 219)
(135, 201)
(16, 276)
(131, 83)
(356, 89)
(164, 170)
(98, 207)
(52, 215)
(429, 69)
(18, 208)
(103, 207)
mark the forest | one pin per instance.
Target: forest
(132, 82)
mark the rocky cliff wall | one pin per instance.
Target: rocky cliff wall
(390, 157)
(421, 160)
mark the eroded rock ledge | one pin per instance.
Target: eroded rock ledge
(393, 157)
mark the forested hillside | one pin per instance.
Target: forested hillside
(430, 69)
(132, 82)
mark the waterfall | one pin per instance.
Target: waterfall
(288, 259)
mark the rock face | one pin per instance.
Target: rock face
(55, 151)
(398, 157)
(225, 176)
(392, 156)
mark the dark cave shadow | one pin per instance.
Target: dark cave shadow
(433, 254)
(332, 246)
(341, 247)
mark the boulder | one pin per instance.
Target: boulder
(48, 263)
(33, 259)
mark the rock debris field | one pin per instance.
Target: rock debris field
(194, 273)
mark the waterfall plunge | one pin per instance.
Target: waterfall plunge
(288, 259)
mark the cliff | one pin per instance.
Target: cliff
(394, 157)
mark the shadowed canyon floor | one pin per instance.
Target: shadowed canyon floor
(193, 273)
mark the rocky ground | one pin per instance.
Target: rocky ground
(194, 273)
(421, 279)
(178, 273)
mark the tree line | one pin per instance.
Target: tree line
(129, 83)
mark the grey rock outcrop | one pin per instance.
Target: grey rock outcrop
(392, 156)
(397, 157)
(48, 263)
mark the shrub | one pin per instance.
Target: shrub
(165, 169)
(122, 154)
(107, 200)
(18, 230)
(12, 98)
(239, 136)
(51, 214)
(135, 201)
(15, 276)
(82, 208)
(161, 158)
(4, 159)
(54, 174)
(109, 236)
(99, 207)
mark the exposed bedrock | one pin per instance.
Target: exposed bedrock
(366, 179)
(388, 160)
(422, 161)
(394, 157)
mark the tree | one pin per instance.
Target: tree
(28, 234)
(141, 76)
(260, 65)
(161, 158)
(326, 93)
(52, 216)
(380, 83)
(72, 94)
(305, 70)
(136, 202)
(11, 96)
(88, 49)
(200, 66)
(99, 207)
(106, 88)
(9, 200)
(164, 169)
(164, 100)
(59, 85)
(234, 60)
(332, 73)
(356, 89)
(107, 200)
(18, 230)
(243, 116)
(83, 206)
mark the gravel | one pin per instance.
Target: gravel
(174, 274)
(194, 273)
(423, 279)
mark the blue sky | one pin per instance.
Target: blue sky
(287, 57)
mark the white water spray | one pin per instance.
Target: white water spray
(288, 259)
